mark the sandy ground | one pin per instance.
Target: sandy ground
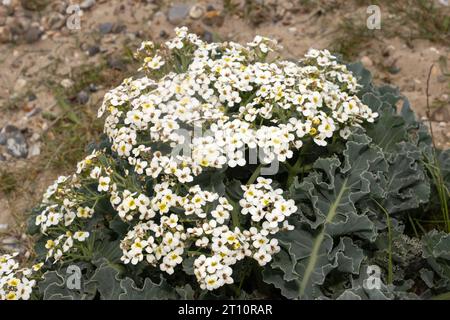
(34, 68)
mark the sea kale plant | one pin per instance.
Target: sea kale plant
(227, 172)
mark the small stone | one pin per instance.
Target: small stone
(33, 34)
(33, 112)
(105, 28)
(15, 142)
(17, 146)
(177, 13)
(19, 25)
(34, 150)
(116, 63)
(3, 15)
(20, 85)
(56, 21)
(87, 4)
(434, 50)
(3, 227)
(441, 114)
(5, 34)
(208, 36)
(118, 28)
(9, 240)
(393, 69)
(10, 244)
(163, 34)
(32, 97)
(292, 30)
(59, 6)
(82, 97)
(35, 137)
(34, 5)
(93, 87)
(366, 61)
(66, 83)
(196, 12)
(93, 50)
(442, 78)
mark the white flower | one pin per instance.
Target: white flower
(103, 184)
(154, 63)
(81, 235)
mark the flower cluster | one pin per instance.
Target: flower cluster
(16, 283)
(197, 224)
(243, 100)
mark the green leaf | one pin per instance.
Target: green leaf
(150, 290)
(106, 277)
(405, 184)
(388, 130)
(54, 286)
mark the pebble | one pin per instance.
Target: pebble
(92, 87)
(20, 85)
(87, 4)
(393, 69)
(442, 78)
(66, 83)
(3, 227)
(3, 15)
(93, 50)
(118, 28)
(34, 5)
(163, 34)
(105, 28)
(34, 150)
(15, 141)
(33, 34)
(196, 12)
(10, 244)
(56, 21)
(208, 36)
(177, 13)
(82, 97)
(116, 63)
(5, 34)
(33, 112)
(366, 61)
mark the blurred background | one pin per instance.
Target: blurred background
(58, 58)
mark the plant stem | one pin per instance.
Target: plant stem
(255, 175)
(293, 171)
(389, 226)
(235, 214)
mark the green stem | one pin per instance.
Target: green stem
(235, 214)
(254, 175)
(389, 226)
(293, 171)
